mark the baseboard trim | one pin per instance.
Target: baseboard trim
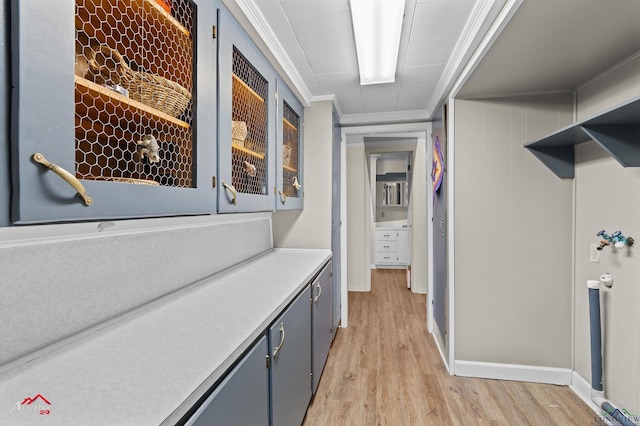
(515, 372)
(582, 388)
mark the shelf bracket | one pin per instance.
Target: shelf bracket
(619, 140)
(560, 159)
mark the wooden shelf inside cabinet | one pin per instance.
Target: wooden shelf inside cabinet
(616, 130)
(245, 86)
(132, 9)
(290, 169)
(248, 151)
(112, 105)
(151, 6)
(289, 125)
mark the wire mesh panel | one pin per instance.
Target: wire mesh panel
(134, 84)
(290, 151)
(249, 127)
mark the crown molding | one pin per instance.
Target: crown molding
(395, 117)
(255, 17)
(482, 16)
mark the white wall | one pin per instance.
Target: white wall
(311, 227)
(359, 216)
(608, 197)
(513, 233)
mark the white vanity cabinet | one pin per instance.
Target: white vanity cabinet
(392, 247)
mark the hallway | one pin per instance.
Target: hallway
(385, 369)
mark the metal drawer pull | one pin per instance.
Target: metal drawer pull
(319, 293)
(68, 177)
(233, 191)
(283, 197)
(277, 348)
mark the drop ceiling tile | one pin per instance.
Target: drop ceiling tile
(321, 32)
(380, 97)
(350, 101)
(415, 97)
(422, 75)
(335, 82)
(443, 18)
(339, 59)
(428, 52)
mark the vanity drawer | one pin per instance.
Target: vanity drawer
(386, 235)
(386, 246)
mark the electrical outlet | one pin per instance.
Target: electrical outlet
(594, 253)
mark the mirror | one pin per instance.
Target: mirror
(391, 193)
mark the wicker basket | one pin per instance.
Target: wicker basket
(286, 155)
(238, 132)
(107, 66)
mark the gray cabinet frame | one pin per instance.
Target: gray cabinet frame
(43, 108)
(232, 34)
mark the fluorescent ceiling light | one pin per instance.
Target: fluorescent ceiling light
(376, 26)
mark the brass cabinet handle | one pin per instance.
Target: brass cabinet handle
(282, 336)
(68, 177)
(283, 197)
(315, 299)
(233, 191)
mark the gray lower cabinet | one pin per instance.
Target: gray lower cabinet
(242, 398)
(321, 323)
(290, 350)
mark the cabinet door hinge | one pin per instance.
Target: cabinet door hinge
(268, 361)
(214, 32)
(213, 182)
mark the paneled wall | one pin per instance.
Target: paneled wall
(608, 197)
(513, 233)
(311, 228)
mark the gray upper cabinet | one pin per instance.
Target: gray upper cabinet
(246, 115)
(114, 100)
(289, 190)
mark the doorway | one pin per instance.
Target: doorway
(360, 209)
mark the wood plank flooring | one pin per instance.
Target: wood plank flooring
(385, 369)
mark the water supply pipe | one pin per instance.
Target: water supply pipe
(597, 390)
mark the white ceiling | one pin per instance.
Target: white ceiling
(557, 45)
(548, 45)
(317, 37)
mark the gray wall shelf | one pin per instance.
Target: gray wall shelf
(616, 130)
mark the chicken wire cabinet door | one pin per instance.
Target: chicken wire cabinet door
(246, 114)
(289, 188)
(110, 95)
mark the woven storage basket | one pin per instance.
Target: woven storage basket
(238, 132)
(286, 155)
(107, 66)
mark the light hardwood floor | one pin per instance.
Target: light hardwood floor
(385, 369)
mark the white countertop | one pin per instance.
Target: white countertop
(153, 366)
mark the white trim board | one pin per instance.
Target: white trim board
(516, 372)
(582, 388)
